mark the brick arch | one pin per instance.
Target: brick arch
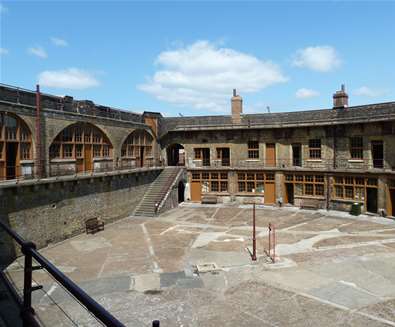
(16, 147)
(80, 147)
(137, 149)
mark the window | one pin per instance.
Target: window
(250, 182)
(315, 148)
(311, 185)
(356, 147)
(223, 154)
(67, 150)
(253, 149)
(24, 134)
(137, 145)
(106, 151)
(212, 181)
(97, 151)
(54, 151)
(25, 151)
(78, 135)
(352, 188)
(78, 150)
(198, 153)
(70, 143)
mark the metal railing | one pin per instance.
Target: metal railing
(289, 163)
(28, 171)
(28, 315)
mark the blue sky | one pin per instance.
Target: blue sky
(185, 57)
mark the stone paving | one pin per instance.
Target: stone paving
(332, 269)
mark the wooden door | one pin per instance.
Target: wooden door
(80, 165)
(88, 157)
(270, 193)
(196, 192)
(270, 154)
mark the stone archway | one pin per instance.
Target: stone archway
(175, 155)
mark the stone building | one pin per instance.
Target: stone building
(328, 158)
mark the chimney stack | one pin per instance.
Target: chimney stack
(340, 98)
(237, 107)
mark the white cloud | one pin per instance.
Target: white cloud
(202, 75)
(38, 51)
(306, 93)
(71, 78)
(59, 42)
(369, 92)
(3, 51)
(319, 58)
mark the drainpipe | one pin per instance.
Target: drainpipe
(38, 133)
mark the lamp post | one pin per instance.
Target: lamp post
(253, 230)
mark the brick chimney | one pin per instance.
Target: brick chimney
(237, 107)
(340, 98)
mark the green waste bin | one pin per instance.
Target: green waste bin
(356, 209)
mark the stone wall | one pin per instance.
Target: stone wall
(55, 210)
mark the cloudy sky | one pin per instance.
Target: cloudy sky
(186, 57)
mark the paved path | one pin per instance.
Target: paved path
(332, 269)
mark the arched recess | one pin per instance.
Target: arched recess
(80, 147)
(16, 147)
(137, 150)
(175, 155)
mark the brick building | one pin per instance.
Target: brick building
(326, 158)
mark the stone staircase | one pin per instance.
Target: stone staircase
(156, 192)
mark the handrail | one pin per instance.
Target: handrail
(30, 251)
(169, 187)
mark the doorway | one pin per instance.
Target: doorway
(270, 193)
(11, 154)
(206, 156)
(175, 155)
(270, 154)
(296, 155)
(141, 161)
(392, 199)
(88, 157)
(371, 199)
(289, 189)
(181, 192)
(196, 191)
(378, 154)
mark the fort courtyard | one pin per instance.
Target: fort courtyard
(331, 269)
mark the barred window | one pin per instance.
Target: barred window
(315, 148)
(253, 149)
(356, 147)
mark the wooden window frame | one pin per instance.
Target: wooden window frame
(218, 178)
(348, 187)
(311, 184)
(253, 149)
(251, 180)
(356, 147)
(315, 147)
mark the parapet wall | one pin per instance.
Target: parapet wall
(52, 211)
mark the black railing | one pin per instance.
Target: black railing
(27, 312)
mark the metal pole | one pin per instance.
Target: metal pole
(27, 282)
(38, 132)
(253, 234)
